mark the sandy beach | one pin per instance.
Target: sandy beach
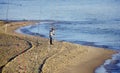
(35, 55)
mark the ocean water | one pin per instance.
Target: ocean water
(66, 10)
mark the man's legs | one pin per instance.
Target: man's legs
(51, 41)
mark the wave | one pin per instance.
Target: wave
(111, 65)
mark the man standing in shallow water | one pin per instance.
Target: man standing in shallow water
(51, 34)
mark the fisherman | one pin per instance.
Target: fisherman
(51, 34)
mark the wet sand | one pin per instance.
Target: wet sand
(62, 57)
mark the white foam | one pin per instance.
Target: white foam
(101, 69)
(116, 56)
(107, 61)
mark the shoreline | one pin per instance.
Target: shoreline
(61, 54)
(25, 31)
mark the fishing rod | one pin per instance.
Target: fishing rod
(7, 10)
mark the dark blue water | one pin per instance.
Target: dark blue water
(105, 34)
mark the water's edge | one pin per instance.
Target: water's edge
(110, 65)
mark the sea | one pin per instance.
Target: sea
(87, 22)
